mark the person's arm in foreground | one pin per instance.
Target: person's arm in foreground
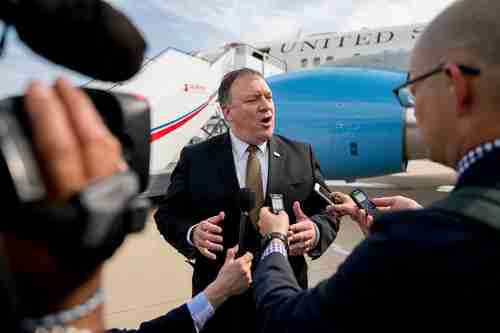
(233, 279)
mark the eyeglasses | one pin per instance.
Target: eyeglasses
(406, 97)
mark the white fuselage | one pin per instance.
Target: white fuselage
(326, 48)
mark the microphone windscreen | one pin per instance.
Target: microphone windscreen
(88, 36)
(246, 199)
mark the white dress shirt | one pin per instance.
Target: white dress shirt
(240, 158)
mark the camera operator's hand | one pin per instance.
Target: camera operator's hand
(269, 222)
(73, 147)
(206, 236)
(234, 278)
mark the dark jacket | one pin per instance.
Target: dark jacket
(204, 183)
(424, 270)
(178, 320)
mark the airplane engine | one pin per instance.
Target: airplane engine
(350, 116)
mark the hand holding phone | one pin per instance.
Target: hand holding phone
(363, 202)
(277, 203)
(324, 193)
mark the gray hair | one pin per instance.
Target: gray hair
(224, 97)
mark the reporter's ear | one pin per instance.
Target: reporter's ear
(459, 87)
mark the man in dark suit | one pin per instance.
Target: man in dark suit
(425, 270)
(200, 214)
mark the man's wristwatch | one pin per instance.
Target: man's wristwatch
(274, 235)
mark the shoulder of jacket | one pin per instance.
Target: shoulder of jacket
(287, 141)
(204, 145)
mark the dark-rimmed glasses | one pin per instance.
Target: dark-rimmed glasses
(406, 97)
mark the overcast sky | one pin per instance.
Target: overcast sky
(199, 25)
(274, 19)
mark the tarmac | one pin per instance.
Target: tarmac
(147, 277)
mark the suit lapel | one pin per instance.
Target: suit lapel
(227, 172)
(277, 160)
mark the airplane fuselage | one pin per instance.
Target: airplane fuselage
(324, 48)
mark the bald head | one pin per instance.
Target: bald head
(451, 108)
(472, 26)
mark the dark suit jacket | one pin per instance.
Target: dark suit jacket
(204, 183)
(178, 320)
(424, 270)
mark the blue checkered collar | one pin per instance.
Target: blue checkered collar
(475, 155)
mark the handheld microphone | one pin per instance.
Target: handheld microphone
(88, 36)
(246, 201)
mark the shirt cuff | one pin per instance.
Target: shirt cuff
(188, 237)
(318, 235)
(314, 252)
(275, 246)
(201, 310)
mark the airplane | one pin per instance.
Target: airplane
(333, 90)
(339, 98)
(318, 49)
(337, 95)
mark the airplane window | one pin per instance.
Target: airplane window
(329, 58)
(317, 61)
(258, 55)
(304, 62)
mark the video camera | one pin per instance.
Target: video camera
(99, 41)
(94, 39)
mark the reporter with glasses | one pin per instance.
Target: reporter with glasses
(432, 269)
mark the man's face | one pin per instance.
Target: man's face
(251, 109)
(432, 110)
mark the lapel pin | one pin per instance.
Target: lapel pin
(276, 154)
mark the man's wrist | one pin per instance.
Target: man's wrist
(216, 294)
(274, 235)
(317, 235)
(189, 236)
